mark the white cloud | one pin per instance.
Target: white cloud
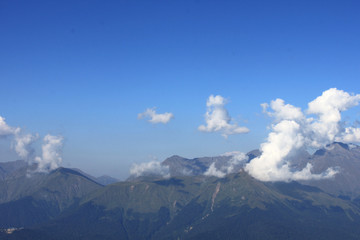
(328, 108)
(282, 111)
(237, 160)
(51, 148)
(149, 168)
(350, 135)
(154, 117)
(22, 141)
(293, 132)
(285, 140)
(51, 154)
(218, 119)
(213, 171)
(23, 144)
(5, 129)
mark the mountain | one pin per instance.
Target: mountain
(106, 180)
(69, 204)
(196, 207)
(179, 166)
(28, 198)
(8, 168)
(346, 159)
(103, 180)
(342, 157)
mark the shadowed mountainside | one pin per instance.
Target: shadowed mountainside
(30, 198)
(203, 208)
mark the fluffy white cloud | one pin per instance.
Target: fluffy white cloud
(218, 119)
(22, 141)
(149, 168)
(51, 148)
(282, 111)
(23, 144)
(51, 154)
(5, 129)
(328, 108)
(213, 171)
(350, 135)
(238, 159)
(154, 117)
(292, 131)
(285, 140)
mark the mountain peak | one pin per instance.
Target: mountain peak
(333, 147)
(175, 157)
(338, 145)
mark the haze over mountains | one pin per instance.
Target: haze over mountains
(188, 203)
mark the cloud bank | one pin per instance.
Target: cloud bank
(149, 168)
(218, 119)
(154, 117)
(294, 130)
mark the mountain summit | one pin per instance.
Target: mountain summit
(346, 159)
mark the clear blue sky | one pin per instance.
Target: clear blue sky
(85, 69)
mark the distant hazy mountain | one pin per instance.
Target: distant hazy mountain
(103, 180)
(8, 168)
(179, 166)
(106, 180)
(346, 158)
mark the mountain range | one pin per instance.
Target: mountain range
(68, 204)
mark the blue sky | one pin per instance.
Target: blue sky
(85, 69)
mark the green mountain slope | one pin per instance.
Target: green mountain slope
(28, 200)
(235, 207)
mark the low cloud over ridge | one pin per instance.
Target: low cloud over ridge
(51, 148)
(238, 159)
(294, 131)
(51, 154)
(149, 168)
(218, 119)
